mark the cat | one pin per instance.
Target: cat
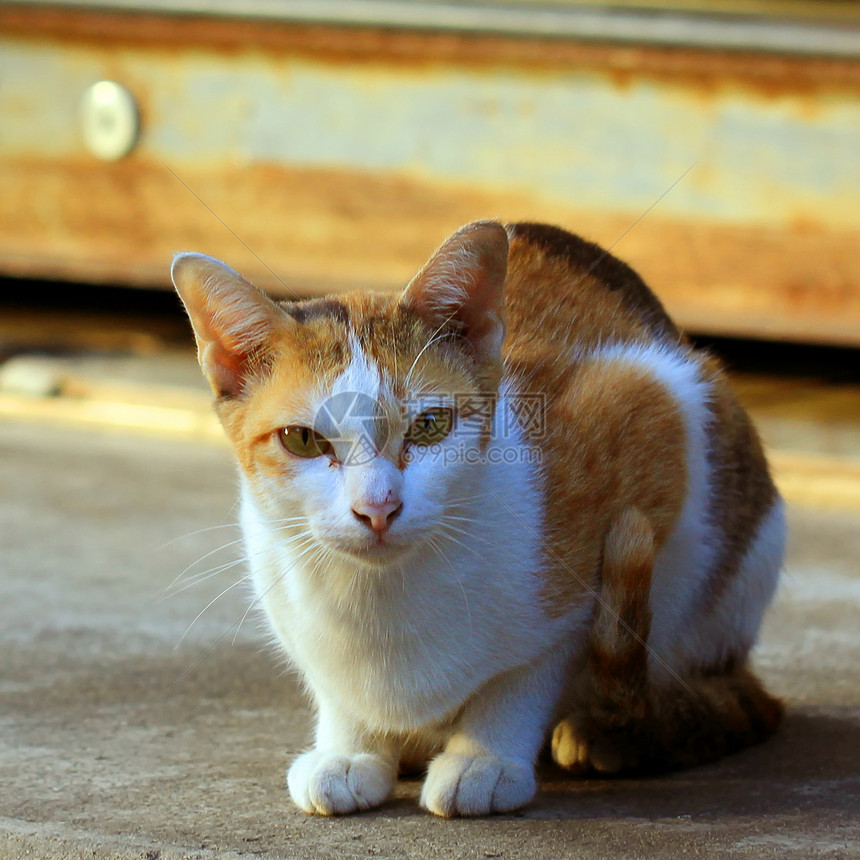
(511, 509)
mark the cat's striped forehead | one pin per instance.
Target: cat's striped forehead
(373, 343)
(365, 345)
(361, 360)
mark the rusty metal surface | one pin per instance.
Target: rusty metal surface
(341, 157)
(824, 31)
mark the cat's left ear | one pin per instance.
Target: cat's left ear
(233, 321)
(464, 282)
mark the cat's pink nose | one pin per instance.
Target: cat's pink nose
(379, 517)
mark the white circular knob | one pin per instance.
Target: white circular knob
(109, 120)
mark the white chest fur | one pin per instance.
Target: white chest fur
(403, 646)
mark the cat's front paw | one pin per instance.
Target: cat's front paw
(327, 783)
(476, 785)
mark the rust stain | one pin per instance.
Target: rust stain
(322, 230)
(704, 71)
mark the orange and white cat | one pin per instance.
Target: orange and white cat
(507, 508)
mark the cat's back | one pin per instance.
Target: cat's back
(563, 292)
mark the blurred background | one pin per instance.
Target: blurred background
(326, 144)
(322, 145)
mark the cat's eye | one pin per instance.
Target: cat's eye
(431, 426)
(304, 442)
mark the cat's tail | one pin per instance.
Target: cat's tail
(621, 721)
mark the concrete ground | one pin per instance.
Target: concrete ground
(145, 719)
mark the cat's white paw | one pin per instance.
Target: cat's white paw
(476, 785)
(327, 783)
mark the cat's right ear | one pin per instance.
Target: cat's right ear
(233, 321)
(463, 283)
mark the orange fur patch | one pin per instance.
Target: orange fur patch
(306, 358)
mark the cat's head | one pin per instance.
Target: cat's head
(358, 420)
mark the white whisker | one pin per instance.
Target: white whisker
(434, 544)
(436, 336)
(197, 532)
(213, 600)
(209, 554)
(199, 579)
(462, 544)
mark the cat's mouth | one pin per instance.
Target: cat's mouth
(379, 552)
